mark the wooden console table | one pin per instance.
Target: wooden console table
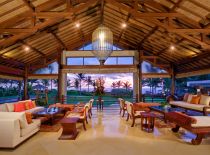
(69, 128)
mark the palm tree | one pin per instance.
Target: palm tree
(76, 83)
(94, 85)
(113, 85)
(119, 84)
(80, 77)
(45, 82)
(126, 85)
(89, 81)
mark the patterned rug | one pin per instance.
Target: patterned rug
(46, 127)
(161, 124)
(50, 128)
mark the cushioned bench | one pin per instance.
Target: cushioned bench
(199, 125)
(202, 105)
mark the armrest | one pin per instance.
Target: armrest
(9, 132)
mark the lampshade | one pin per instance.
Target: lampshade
(102, 41)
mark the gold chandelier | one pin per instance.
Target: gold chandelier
(102, 41)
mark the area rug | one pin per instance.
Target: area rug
(50, 128)
(161, 124)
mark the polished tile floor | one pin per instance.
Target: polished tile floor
(108, 134)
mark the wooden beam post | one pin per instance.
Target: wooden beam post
(173, 80)
(140, 74)
(59, 77)
(25, 80)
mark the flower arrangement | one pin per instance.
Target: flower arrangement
(99, 91)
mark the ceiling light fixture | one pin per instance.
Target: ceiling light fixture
(172, 47)
(124, 25)
(77, 25)
(26, 48)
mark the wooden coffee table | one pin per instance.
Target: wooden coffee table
(49, 113)
(69, 128)
(163, 110)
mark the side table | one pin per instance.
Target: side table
(69, 128)
(147, 121)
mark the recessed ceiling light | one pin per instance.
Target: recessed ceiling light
(124, 25)
(26, 48)
(172, 47)
(77, 25)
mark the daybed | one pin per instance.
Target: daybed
(194, 102)
(199, 125)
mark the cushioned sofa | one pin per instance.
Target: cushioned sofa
(14, 127)
(202, 104)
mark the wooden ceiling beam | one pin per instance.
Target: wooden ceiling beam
(157, 22)
(11, 70)
(17, 30)
(32, 48)
(189, 30)
(147, 36)
(195, 58)
(60, 42)
(29, 5)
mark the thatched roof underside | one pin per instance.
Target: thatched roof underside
(48, 26)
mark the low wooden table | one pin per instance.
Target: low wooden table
(69, 128)
(147, 121)
(164, 110)
(49, 114)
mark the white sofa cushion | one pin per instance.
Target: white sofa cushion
(202, 121)
(3, 108)
(10, 107)
(205, 100)
(34, 110)
(188, 105)
(33, 126)
(21, 116)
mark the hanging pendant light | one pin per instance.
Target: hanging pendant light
(102, 42)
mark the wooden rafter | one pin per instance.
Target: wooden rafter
(32, 48)
(60, 42)
(147, 36)
(46, 23)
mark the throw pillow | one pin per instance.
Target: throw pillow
(3, 108)
(10, 107)
(190, 97)
(19, 107)
(29, 117)
(186, 95)
(205, 100)
(30, 104)
(34, 104)
(195, 100)
(27, 107)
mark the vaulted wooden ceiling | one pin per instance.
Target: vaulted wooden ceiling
(153, 26)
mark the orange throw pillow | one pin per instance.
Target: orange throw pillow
(195, 100)
(27, 105)
(185, 97)
(34, 104)
(18, 107)
(30, 104)
(29, 117)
